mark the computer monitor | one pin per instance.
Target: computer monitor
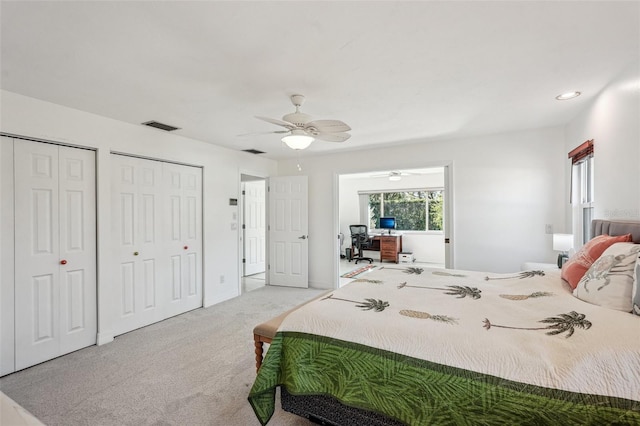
(387, 223)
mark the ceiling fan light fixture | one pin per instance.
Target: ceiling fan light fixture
(298, 139)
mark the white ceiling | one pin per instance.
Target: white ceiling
(396, 72)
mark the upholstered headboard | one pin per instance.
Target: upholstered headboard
(616, 227)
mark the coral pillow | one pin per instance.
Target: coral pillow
(575, 268)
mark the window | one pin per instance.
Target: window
(585, 206)
(414, 210)
(582, 189)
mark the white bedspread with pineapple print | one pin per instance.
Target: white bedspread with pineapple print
(526, 327)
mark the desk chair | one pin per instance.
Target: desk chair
(360, 239)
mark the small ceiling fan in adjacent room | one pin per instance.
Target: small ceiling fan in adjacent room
(302, 130)
(395, 175)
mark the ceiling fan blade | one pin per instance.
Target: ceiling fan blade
(327, 126)
(332, 137)
(277, 122)
(263, 133)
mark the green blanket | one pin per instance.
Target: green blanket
(418, 392)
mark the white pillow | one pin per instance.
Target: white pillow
(610, 279)
(635, 297)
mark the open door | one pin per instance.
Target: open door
(254, 227)
(288, 231)
(448, 218)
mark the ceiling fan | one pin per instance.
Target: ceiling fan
(395, 175)
(302, 130)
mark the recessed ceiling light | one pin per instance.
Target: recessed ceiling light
(568, 95)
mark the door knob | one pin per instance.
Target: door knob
(135, 253)
(186, 247)
(63, 262)
(304, 237)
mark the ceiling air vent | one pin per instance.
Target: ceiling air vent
(253, 151)
(160, 126)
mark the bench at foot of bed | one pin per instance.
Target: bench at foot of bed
(265, 332)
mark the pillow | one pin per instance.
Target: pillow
(609, 280)
(574, 269)
(635, 296)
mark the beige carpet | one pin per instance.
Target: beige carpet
(193, 369)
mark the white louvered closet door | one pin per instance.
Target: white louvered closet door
(55, 251)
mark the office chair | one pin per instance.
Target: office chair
(360, 239)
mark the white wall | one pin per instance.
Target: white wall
(425, 246)
(613, 122)
(506, 187)
(221, 181)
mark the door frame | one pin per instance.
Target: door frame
(448, 212)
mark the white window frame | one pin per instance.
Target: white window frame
(583, 199)
(365, 214)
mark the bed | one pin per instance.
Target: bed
(405, 345)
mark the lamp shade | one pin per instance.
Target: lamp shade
(298, 139)
(562, 242)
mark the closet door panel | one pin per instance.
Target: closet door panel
(37, 277)
(183, 187)
(136, 186)
(77, 206)
(7, 278)
(148, 235)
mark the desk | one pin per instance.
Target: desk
(389, 246)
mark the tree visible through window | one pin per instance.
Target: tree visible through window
(414, 210)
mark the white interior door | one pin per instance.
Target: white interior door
(448, 220)
(55, 251)
(254, 227)
(136, 204)
(183, 248)
(7, 254)
(288, 231)
(157, 218)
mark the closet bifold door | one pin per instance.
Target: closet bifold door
(137, 222)
(55, 251)
(7, 277)
(157, 222)
(183, 248)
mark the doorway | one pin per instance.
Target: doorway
(430, 247)
(253, 232)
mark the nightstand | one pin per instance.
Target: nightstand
(534, 266)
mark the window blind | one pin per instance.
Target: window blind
(581, 152)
